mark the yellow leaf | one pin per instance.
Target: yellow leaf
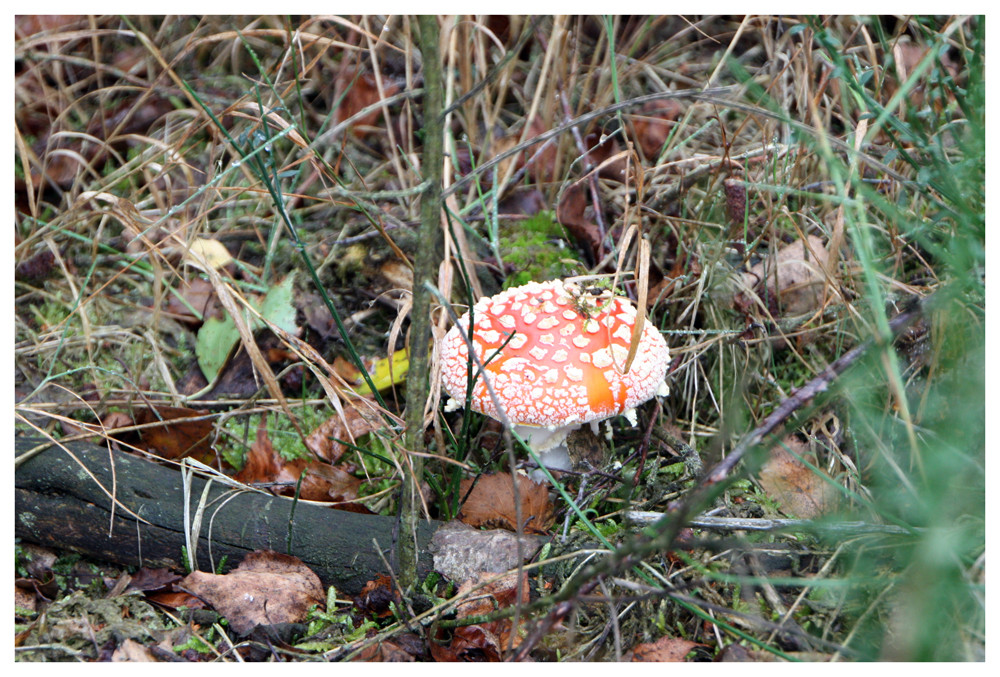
(383, 376)
(213, 251)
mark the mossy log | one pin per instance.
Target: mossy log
(63, 499)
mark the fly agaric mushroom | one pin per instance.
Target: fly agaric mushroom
(555, 357)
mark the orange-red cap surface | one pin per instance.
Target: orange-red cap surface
(565, 363)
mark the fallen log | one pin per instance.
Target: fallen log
(63, 499)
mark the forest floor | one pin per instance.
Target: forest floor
(215, 251)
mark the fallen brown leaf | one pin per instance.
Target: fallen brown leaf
(361, 92)
(522, 202)
(150, 580)
(200, 295)
(175, 600)
(35, 268)
(792, 282)
(490, 640)
(346, 370)
(24, 597)
(801, 492)
(907, 57)
(132, 651)
(267, 588)
(543, 169)
(323, 440)
(491, 503)
(27, 25)
(389, 651)
(320, 481)
(571, 213)
(377, 596)
(460, 551)
(653, 124)
(663, 650)
(173, 432)
(602, 152)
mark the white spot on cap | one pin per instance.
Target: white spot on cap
(538, 352)
(623, 333)
(518, 341)
(602, 358)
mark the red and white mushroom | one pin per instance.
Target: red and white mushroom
(555, 357)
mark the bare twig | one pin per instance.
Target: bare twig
(425, 266)
(807, 392)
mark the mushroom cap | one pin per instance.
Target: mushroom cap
(564, 364)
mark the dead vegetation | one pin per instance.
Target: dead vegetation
(215, 251)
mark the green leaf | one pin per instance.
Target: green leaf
(216, 337)
(277, 307)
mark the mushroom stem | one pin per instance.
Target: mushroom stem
(543, 438)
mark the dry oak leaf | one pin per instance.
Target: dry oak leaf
(792, 282)
(571, 213)
(152, 580)
(267, 588)
(489, 640)
(131, 651)
(378, 596)
(542, 169)
(28, 25)
(172, 432)
(35, 268)
(390, 651)
(663, 650)
(361, 92)
(24, 598)
(491, 503)
(321, 482)
(605, 154)
(194, 296)
(801, 492)
(653, 124)
(322, 441)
